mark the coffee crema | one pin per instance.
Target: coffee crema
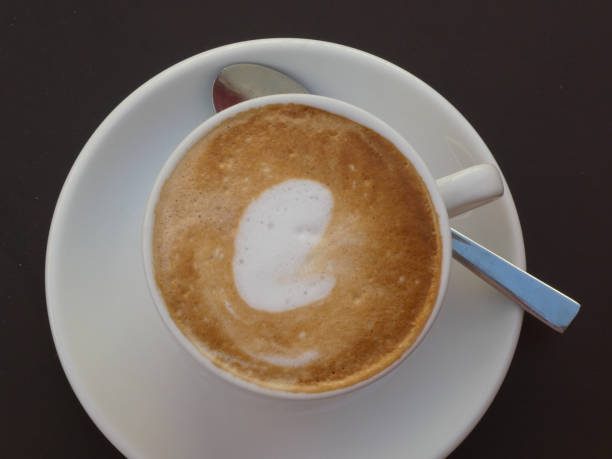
(296, 249)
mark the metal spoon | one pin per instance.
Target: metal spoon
(240, 82)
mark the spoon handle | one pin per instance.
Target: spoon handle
(534, 296)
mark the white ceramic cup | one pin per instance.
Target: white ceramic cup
(451, 195)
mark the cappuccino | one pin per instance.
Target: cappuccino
(296, 249)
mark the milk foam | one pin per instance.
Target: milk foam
(275, 235)
(298, 361)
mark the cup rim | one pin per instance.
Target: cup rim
(334, 106)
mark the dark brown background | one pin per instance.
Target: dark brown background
(534, 79)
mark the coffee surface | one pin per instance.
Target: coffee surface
(297, 249)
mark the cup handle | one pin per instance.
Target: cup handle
(470, 188)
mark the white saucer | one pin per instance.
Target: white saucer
(152, 400)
